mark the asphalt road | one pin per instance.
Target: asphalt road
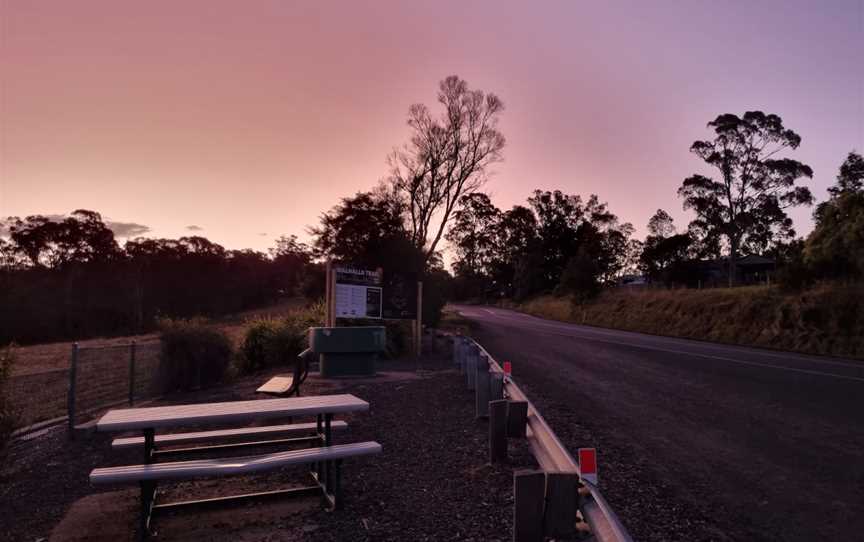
(697, 441)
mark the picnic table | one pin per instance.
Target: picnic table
(324, 457)
(148, 419)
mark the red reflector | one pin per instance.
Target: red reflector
(507, 368)
(588, 464)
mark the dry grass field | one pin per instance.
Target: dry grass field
(827, 319)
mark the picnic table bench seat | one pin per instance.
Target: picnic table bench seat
(181, 470)
(225, 435)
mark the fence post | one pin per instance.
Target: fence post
(70, 397)
(132, 347)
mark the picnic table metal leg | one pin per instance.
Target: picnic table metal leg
(149, 445)
(148, 495)
(327, 442)
(337, 486)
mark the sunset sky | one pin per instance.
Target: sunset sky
(241, 121)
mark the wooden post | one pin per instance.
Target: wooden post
(517, 419)
(456, 345)
(132, 373)
(332, 297)
(497, 431)
(471, 365)
(529, 488)
(70, 397)
(418, 323)
(482, 387)
(496, 386)
(328, 293)
(562, 495)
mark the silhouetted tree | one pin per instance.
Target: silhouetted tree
(835, 247)
(79, 238)
(291, 260)
(366, 229)
(661, 224)
(746, 206)
(474, 235)
(446, 158)
(665, 252)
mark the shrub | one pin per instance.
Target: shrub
(7, 415)
(275, 341)
(193, 355)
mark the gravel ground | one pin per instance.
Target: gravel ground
(432, 482)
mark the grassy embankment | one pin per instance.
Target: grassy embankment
(827, 319)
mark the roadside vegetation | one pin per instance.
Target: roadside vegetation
(827, 319)
(193, 355)
(277, 341)
(7, 413)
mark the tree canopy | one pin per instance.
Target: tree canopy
(835, 248)
(446, 158)
(746, 205)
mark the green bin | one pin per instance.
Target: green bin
(347, 351)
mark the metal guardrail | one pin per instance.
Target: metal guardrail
(552, 456)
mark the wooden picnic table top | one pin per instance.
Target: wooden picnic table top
(126, 419)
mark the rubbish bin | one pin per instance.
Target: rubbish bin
(347, 351)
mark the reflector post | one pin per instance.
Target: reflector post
(588, 465)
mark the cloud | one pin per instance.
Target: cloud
(127, 229)
(193, 227)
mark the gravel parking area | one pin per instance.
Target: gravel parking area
(433, 481)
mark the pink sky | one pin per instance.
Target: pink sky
(251, 118)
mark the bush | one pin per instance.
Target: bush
(277, 341)
(7, 415)
(193, 355)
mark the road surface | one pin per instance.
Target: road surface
(697, 441)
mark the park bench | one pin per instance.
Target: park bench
(325, 457)
(286, 386)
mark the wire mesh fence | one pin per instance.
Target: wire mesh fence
(94, 378)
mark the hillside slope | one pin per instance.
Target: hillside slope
(827, 319)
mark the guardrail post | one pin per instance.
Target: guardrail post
(132, 348)
(482, 387)
(70, 397)
(497, 431)
(529, 487)
(517, 419)
(496, 386)
(562, 500)
(471, 365)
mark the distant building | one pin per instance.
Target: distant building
(633, 280)
(751, 269)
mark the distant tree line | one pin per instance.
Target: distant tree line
(70, 279)
(558, 242)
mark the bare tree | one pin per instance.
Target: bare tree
(446, 158)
